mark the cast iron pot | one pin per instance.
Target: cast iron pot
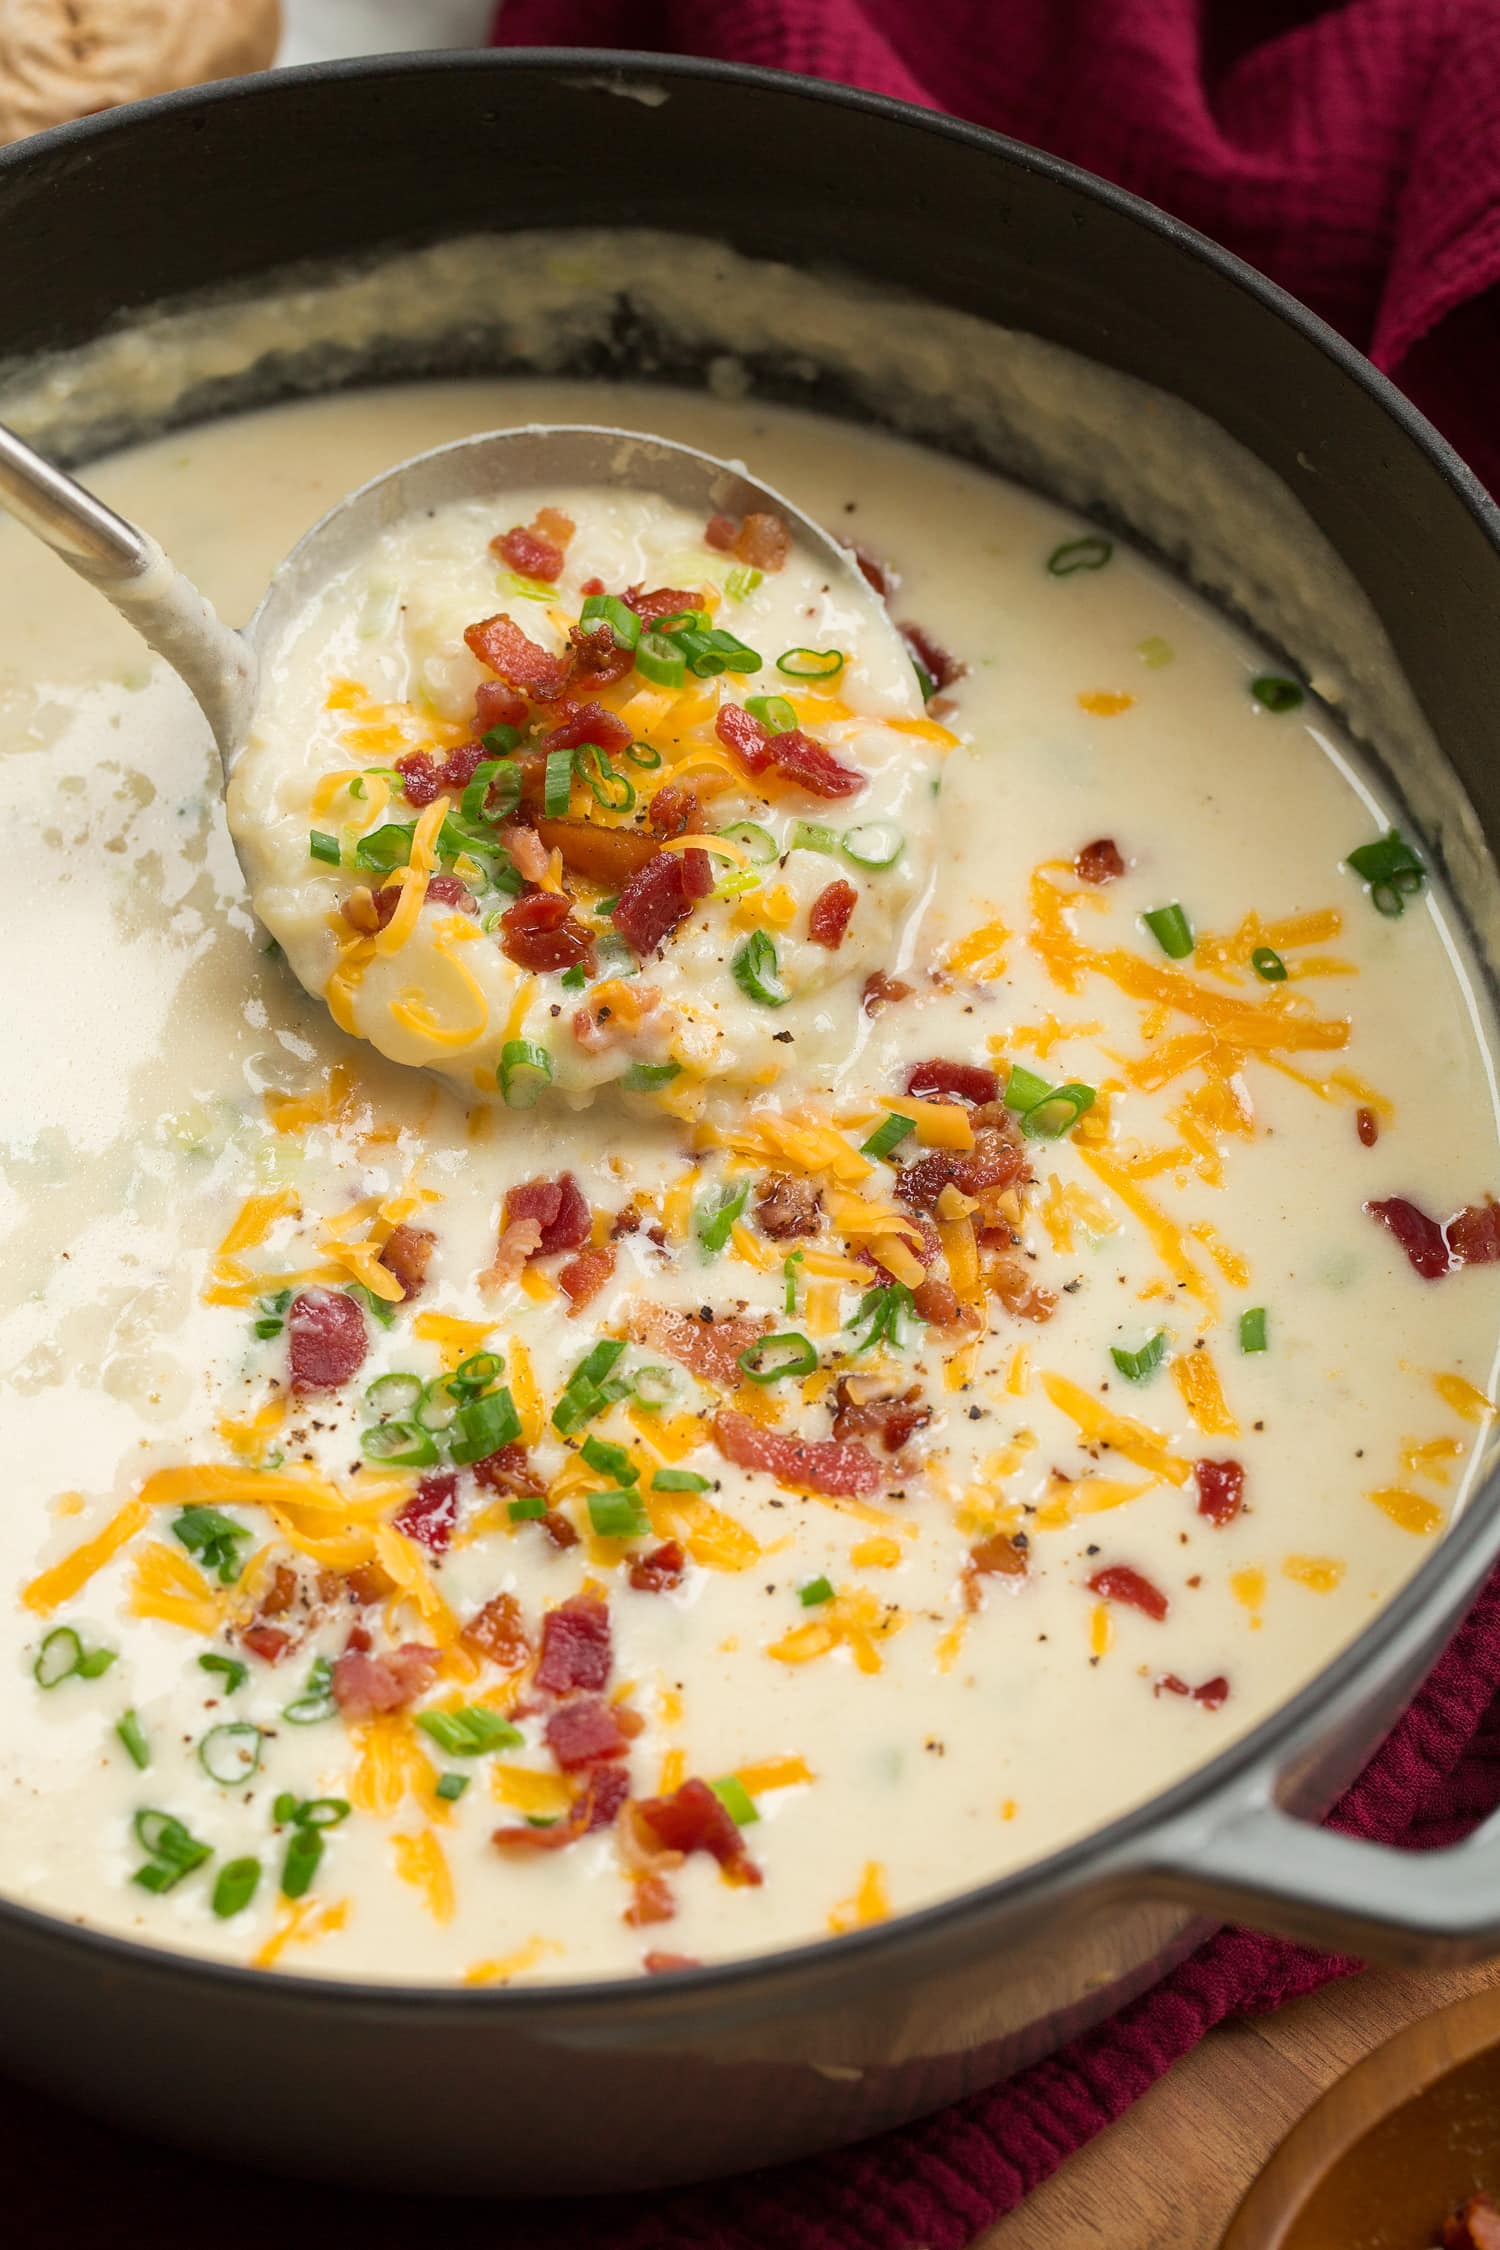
(639, 2083)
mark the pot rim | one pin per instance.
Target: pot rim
(1438, 1588)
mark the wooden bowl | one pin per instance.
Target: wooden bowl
(1392, 2148)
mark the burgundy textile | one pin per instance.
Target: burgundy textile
(1351, 150)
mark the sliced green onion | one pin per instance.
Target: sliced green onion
(1268, 965)
(875, 843)
(96, 1662)
(438, 1406)
(715, 1219)
(476, 1373)
(773, 711)
(214, 1539)
(233, 1672)
(590, 1388)
(888, 1135)
(470, 1732)
(886, 1313)
(811, 663)
(925, 680)
(574, 979)
(642, 754)
(709, 650)
(656, 1387)
(756, 969)
(320, 845)
(736, 1800)
(659, 660)
(131, 1733)
(483, 1426)
(815, 1591)
(58, 1658)
(304, 1853)
(1136, 1366)
(494, 791)
(403, 1445)
(500, 741)
(812, 836)
(611, 1461)
(1023, 1089)
(451, 1786)
(758, 842)
(386, 847)
(1057, 1112)
(311, 1812)
(1253, 1330)
(272, 1314)
(377, 1307)
(1172, 931)
(1154, 651)
(772, 1359)
(316, 1700)
(524, 589)
(742, 582)
(523, 1072)
(608, 609)
(789, 1267)
(1392, 870)
(614, 791)
(230, 1754)
(394, 1394)
(678, 1480)
(526, 1511)
(1276, 693)
(172, 1852)
(617, 1515)
(557, 784)
(1090, 553)
(644, 1078)
(237, 1884)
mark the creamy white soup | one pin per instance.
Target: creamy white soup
(697, 1490)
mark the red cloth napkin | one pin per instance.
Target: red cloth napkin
(1351, 151)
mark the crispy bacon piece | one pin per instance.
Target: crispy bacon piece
(539, 932)
(654, 1901)
(1099, 862)
(364, 1685)
(509, 1470)
(597, 1805)
(1119, 1583)
(280, 1594)
(662, 601)
(1211, 1695)
(498, 1631)
(996, 1161)
(882, 992)
(557, 1206)
(709, 1349)
(658, 1571)
(530, 855)
(675, 811)
(664, 1964)
(939, 1081)
(786, 1206)
(805, 1464)
(326, 1339)
(1221, 1490)
(430, 1516)
(424, 776)
(873, 570)
(595, 657)
(794, 754)
(762, 540)
(937, 1302)
(518, 1243)
(524, 549)
(748, 737)
(659, 895)
(1434, 1247)
(589, 722)
(893, 1418)
(1474, 1235)
(576, 1653)
(442, 890)
(582, 1278)
(828, 916)
(558, 1529)
(497, 705)
(500, 643)
(1008, 1275)
(1366, 1127)
(585, 1731)
(999, 1556)
(1475, 2225)
(407, 1254)
(589, 848)
(693, 1820)
(941, 668)
(268, 1642)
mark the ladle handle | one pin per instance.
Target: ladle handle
(127, 566)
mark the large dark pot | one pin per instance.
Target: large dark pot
(637, 2083)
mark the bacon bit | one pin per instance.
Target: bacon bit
(999, 1556)
(1475, 2225)
(693, 1820)
(720, 533)
(658, 1571)
(360, 911)
(875, 573)
(509, 1470)
(1211, 1695)
(496, 705)
(500, 643)
(882, 992)
(364, 1685)
(1221, 1490)
(524, 550)
(796, 754)
(1367, 1127)
(1433, 1248)
(659, 895)
(937, 1302)
(828, 916)
(268, 1642)
(596, 1025)
(539, 932)
(1474, 1235)
(576, 1651)
(1009, 1277)
(748, 737)
(529, 856)
(442, 890)
(280, 1594)
(1099, 862)
(590, 722)
(941, 668)
(431, 1514)
(893, 1418)
(558, 1208)
(407, 1254)
(675, 811)
(995, 1162)
(1119, 1583)
(709, 1349)
(595, 657)
(654, 1901)
(664, 1964)
(367, 1583)
(326, 1339)
(818, 1465)
(498, 1631)
(425, 777)
(583, 1732)
(762, 540)
(558, 1529)
(583, 1277)
(517, 1245)
(663, 601)
(953, 1082)
(786, 1206)
(597, 1805)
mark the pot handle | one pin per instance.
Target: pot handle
(1262, 1865)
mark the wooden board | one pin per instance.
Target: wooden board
(1169, 2175)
